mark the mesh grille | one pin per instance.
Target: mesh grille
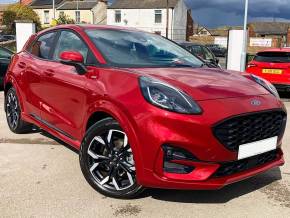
(250, 128)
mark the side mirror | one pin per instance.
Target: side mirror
(75, 59)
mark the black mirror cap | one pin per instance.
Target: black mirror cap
(80, 67)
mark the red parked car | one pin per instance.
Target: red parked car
(143, 111)
(274, 66)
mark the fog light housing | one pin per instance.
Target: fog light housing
(172, 154)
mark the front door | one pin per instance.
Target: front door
(65, 92)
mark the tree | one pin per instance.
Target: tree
(19, 12)
(65, 19)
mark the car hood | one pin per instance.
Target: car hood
(207, 83)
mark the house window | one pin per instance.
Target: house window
(46, 17)
(158, 16)
(118, 16)
(78, 16)
(61, 13)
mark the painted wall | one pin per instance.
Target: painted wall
(100, 13)
(86, 16)
(143, 19)
(180, 21)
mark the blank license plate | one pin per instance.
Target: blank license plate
(272, 71)
(258, 147)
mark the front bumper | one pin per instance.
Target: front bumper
(194, 134)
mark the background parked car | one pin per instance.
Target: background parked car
(200, 51)
(4, 38)
(274, 66)
(218, 50)
(5, 56)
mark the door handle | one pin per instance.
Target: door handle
(49, 72)
(22, 65)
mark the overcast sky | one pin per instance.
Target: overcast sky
(213, 13)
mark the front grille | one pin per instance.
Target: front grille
(230, 168)
(248, 128)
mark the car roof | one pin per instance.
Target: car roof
(80, 27)
(276, 50)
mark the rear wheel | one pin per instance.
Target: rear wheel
(13, 113)
(107, 161)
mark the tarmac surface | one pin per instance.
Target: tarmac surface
(41, 178)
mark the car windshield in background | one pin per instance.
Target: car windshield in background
(123, 48)
(273, 57)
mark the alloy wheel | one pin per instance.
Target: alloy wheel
(12, 110)
(111, 161)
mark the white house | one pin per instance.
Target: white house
(152, 16)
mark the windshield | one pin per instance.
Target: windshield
(124, 48)
(278, 57)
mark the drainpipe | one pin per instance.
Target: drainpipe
(167, 18)
(53, 8)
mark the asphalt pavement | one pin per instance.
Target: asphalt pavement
(41, 178)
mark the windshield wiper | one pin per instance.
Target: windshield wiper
(209, 64)
(180, 65)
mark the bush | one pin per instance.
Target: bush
(19, 12)
(65, 19)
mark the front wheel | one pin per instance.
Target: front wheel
(107, 162)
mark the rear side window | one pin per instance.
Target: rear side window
(42, 47)
(274, 57)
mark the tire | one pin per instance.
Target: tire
(13, 113)
(107, 162)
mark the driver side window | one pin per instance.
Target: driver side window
(69, 41)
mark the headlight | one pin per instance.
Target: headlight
(267, 85)
(168, 97)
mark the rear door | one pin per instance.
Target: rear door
(273, 66)
(36, 62)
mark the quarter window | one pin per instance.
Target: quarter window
(158, 16)
(46, 17)
(118, 16)
(42, 47)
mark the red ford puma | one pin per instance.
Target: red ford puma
(143, 111)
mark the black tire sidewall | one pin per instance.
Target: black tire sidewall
(22, 126)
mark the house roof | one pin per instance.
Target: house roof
(270, 28)
(45, 3)
(143, 4)
(82, 5)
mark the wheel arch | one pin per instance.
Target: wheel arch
(107, 109)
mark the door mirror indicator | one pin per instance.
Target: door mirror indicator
(75, 59)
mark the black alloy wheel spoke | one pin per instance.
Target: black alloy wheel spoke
(112, 169)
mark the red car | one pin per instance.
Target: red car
(143, 111)
(274, 66)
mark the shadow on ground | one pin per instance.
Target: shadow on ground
(223, 195)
